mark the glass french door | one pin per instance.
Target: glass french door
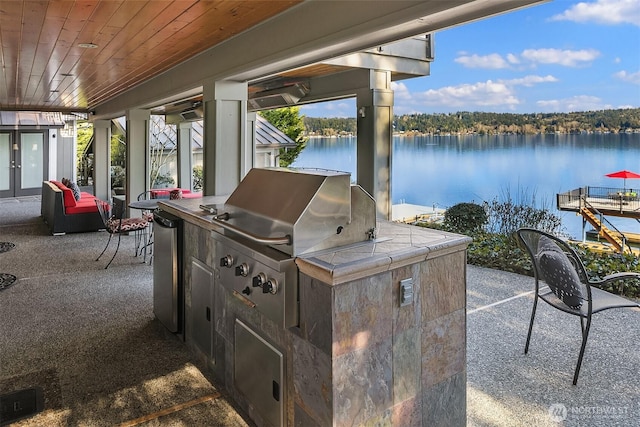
(23, 163)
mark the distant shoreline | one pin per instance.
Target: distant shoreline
(413, 134)
(621, 121)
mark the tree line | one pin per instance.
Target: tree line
(464, 122)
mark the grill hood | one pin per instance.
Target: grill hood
(297, 211)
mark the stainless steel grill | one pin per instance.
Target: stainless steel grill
(277, 214)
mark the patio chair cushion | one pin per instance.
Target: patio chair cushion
(546, 244)
(561, 277)
(75, 190)
(128, 224)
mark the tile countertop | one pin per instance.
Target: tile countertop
(396, 245)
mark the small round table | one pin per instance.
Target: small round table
(144, 205)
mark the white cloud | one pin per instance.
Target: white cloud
(492, 61)
(513, 59)
(567, 58)
(480, 94)
(400, 92)
(574, 103)
(531, 80)
(628, 77)
(609, 12)
(489, 94)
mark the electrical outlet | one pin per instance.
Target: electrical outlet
(406, 292)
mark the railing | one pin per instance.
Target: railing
(604, 223)
(604, 198)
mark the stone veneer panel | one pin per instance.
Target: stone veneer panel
(443, 348)
(406, 365)
(443, 285)
(446, 403)
(408, 413)
(315, 304)
(312, 382)
(302, 419)
(362, 386)
(362, 313)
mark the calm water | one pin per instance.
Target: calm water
(443, 171)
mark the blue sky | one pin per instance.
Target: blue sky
(559, 56)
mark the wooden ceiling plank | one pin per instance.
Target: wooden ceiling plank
(168, 49)
(32, 18)
(10, 31)
(91, 31)
(132, 36)
(47, 63)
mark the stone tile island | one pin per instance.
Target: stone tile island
(381, 331)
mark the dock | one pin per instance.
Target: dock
(608, 201)
(632, 238)
(594, 204)
(410, 214)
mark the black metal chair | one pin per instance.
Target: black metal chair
(115, 224)
(569, 288)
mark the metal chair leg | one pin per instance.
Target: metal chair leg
(115, 253)
(585, 335)
(533, 315)
(105, 248)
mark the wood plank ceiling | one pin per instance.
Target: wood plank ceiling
(64, 55)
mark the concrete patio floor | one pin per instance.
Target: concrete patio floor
(507, 388)
(88, 337)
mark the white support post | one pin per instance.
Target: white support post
(137, 162)
(374, 146)
(102, 159)
(185, 164)
(227, 154)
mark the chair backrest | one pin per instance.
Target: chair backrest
(104, 209)
(175, 194)
(145, 195)
(558, 265)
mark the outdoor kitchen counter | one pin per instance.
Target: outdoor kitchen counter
(396, 245)
(379, 336)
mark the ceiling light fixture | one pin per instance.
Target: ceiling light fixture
(88, 45)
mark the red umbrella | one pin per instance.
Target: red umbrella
(624, 174)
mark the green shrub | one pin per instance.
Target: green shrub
(599, 264)
(506, 216)
(465, 218)
(502, 252)
(117, 176)
(198, 177)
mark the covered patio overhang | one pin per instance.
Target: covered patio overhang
(312, 52)
(228, 58)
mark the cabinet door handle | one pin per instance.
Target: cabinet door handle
(208, 314)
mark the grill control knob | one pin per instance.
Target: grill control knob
(259, 280)
(242, 270)
(270, 287)
(226, 261)
(246, 290)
